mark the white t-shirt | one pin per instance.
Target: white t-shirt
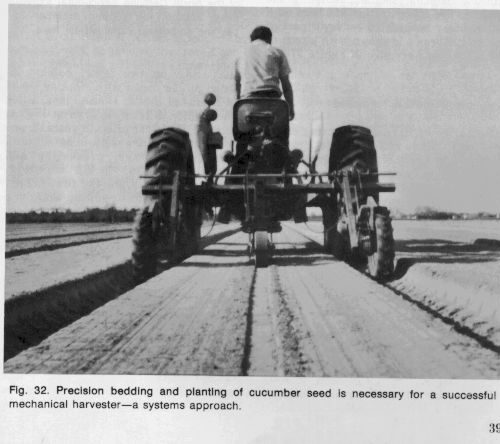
(260, 67)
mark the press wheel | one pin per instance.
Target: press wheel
(261, 249)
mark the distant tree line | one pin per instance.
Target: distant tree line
(114, 215)
(111, 214)
(431, 213)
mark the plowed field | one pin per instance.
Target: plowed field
(305, 315)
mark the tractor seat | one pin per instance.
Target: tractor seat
(253, 112)
(260, 118)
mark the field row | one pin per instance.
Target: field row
(459, 279)
(306, 314)
(46, 290)
(451, 268)
(25, 231)
(21, 247)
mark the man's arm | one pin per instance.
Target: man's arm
(288, 93)
(237, 81)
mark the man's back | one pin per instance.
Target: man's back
(261, 67)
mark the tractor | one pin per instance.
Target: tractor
(261, 186)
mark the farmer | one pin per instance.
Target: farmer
(261, 69)
(259, 72)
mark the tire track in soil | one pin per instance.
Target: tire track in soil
(32, 317)
(247, 347)
(52, 247)
(272, 346)
(316, 358)
(290, 343)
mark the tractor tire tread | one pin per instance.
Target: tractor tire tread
(351, 144)
(144, 255)
(381, 262)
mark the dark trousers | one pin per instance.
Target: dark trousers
(265, 93)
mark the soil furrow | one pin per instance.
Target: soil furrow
(475, 326)
(51, 247)
(32, 316)
(459, 327)
(56, 236)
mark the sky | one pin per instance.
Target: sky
(88, 84)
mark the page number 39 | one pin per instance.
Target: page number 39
(495, 427)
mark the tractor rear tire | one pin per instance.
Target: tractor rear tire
(381, 261)
(144, 254)
(170, 149)
(352, 145)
